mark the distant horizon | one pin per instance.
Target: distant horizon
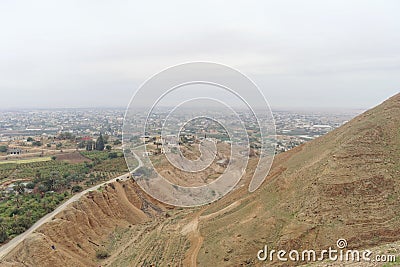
(299, 103)
(277, 108)
(273, 107)
(337, 54)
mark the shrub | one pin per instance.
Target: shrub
(113, 155)
(3, 236)
(76, 188)
(30, 185)
(37, 143)
(102, 254)
(117, 142)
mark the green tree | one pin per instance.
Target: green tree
(66, 136)
(37, 143)
(3, 234)
(76, 188)
(81, 144)
(113, 155)
(100, 143)
(30, 185)
(42, 188)
(89, 145)
(19, 187)
(3, 149)
(117, 142)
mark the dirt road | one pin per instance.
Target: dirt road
(6, 248)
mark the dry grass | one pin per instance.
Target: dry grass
(29, 160)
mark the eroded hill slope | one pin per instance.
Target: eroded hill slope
(77, 233)
(345, 184)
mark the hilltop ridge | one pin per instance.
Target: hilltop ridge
(344, 184)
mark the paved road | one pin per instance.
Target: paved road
(6, 248)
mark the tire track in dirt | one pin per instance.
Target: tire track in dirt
(196, 239)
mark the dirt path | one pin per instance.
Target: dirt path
(222, 211)
(6, 248)
(196, 239)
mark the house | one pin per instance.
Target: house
(223, 162)
(14, 151)
(147, 153)
(145, 139)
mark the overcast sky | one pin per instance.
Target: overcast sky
(300, 53)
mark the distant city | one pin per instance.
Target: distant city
(292, 127)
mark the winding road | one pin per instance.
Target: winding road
(6, 248)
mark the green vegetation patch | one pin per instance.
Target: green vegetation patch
(19, 212)
(95, 155)
(39, 185)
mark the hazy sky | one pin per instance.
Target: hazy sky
(300, 53)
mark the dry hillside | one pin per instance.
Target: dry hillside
(345, 184)
(78, 233)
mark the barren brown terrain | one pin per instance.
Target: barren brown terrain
(179, 177)
(344, 184)
(73, 157)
